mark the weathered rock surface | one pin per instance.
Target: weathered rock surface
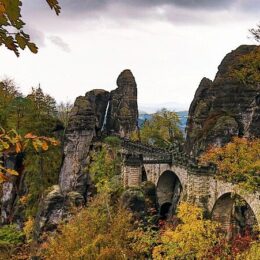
(229, 106)
(55, 207)
(85, 124)
(51, 211)
(10, 189)
(122, 115)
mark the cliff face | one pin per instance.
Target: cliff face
(98, 111)
(85, 124)
(230, 105)
(123, 111)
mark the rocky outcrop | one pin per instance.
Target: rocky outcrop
(122, 115)
(55, 207)
(98, 112)
(229, 106)
(85, 124)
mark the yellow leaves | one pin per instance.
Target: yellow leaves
(188, 213)
(12, 142)
(93, 234)
(5, 173)
(11, 171)
(28, 228)
(238, 161)
(191, 239)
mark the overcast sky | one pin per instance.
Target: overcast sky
(169, 45)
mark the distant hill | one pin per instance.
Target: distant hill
(183, 115)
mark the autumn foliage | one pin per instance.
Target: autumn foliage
(193, 238)
(13, 143)
(237, 162)
(94, 233)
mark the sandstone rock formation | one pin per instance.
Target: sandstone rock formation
(229, 106)
(85, 124)
(123, 112)
(98, 112)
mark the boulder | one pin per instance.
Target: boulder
(52, 210)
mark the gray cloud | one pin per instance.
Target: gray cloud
(88, 6)
(175, 11)
(94, 5)
(58, 41)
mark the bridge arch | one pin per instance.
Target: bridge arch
(234, 213)
(169, 190)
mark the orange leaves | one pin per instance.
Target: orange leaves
(13, 143)
(5, 173)
(237, 162)
(2, 9)
(41, 142)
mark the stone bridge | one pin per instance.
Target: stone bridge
(177, 178)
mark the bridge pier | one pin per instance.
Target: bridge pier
(132, 171)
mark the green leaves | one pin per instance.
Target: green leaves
(11, 26)
(54, 4)
(162, 129)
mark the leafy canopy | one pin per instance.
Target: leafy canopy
(161, 130)
(12, 33)
(237, 162)
(105, 168)
(192, 239)
(99, 231)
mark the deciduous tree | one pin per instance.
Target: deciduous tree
(161, 130)
(237, 162)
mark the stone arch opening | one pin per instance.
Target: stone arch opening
(144, 175)
(235, 215)
(168, 192)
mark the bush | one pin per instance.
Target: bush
(10, 239)
(97, 232)
(10, 235)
